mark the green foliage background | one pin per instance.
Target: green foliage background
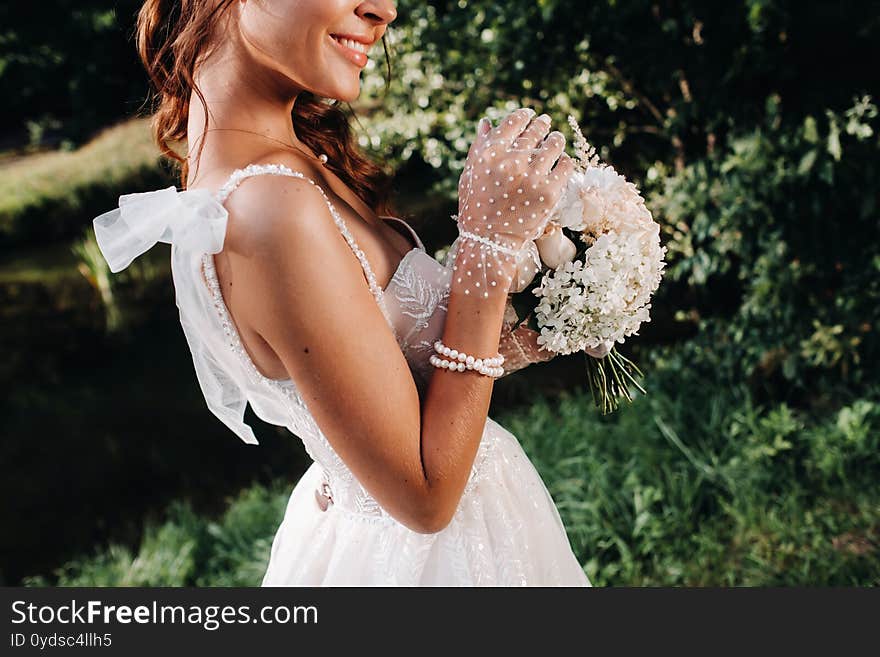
(751, 128)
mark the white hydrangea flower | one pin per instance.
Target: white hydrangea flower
(593, 302)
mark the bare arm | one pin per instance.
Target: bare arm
(308, 299)
(456, 404)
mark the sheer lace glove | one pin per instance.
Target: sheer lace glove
(507, 189)
(519, 344)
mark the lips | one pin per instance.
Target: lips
(367, 41)
(354, 56)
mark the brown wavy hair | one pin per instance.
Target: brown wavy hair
(173, 35)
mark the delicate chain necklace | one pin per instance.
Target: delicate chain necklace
(322, 158)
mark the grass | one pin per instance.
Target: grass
(51, 196)
(704, 488)
(690, 489)
(112, 156)
(188, 549)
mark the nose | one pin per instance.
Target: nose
(379, 11)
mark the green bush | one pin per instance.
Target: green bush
(776, 237)
(188, 549)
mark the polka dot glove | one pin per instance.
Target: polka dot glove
(519, 344)
(507, 189)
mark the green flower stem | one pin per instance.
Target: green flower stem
(610, 378)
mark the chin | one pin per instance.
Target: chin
(346, 93)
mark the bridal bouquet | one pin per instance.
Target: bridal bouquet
(592, 295)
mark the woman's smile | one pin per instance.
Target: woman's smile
(355, 52)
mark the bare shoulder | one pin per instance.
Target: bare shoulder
(262, 205)
(284, 247)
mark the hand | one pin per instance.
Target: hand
(506, 191)
(519, 344)
(512, 166)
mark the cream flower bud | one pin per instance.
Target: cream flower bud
(601, 351)
(554, 247)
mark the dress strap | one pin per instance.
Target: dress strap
(240, 175)
(411, 233)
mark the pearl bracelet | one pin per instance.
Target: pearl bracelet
(460, 361)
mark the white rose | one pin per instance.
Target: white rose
(554, 247)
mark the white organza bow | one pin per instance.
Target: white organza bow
(193, 220)
(194, 223)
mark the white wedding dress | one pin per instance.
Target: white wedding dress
(506, 530)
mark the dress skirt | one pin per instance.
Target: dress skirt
(505, 532)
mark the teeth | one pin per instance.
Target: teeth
(354, 45)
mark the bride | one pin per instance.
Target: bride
(298, 297)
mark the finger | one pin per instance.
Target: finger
(548, 152)
(534, 134)
(511, 127)
(484, 125)
(557, 181)
(563, 169)
(527, 340)
(483, 128)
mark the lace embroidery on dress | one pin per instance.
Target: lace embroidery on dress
(420, 299)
